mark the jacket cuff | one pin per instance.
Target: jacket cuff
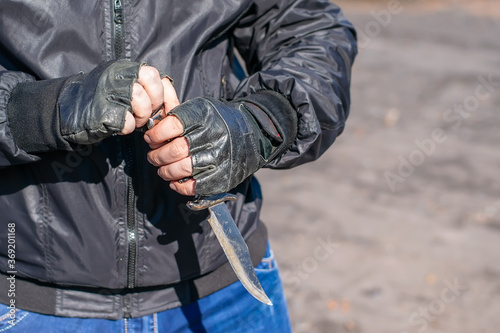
(280, 125)
(34, 118)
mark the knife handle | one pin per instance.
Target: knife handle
(200, 203)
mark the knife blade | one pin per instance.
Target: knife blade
(231, 241)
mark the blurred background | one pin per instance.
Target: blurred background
(397, 227)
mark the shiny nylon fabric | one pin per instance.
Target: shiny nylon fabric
(70, 207)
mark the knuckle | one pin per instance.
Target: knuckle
(154, 159)
(178, 150)
(178, 125)
(184, 191)
(141, 114)
(155, 134)
(164, 173)
(149, 72)
(175, 124)
(166, 82)
(138, 93)
(187, 188)
(187, 166)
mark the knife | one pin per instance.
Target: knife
(226, 231)
(233, 244)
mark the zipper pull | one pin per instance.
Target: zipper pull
(118, 12)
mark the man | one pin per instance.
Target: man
(95, 203)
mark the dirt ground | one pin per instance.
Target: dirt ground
(397, 227)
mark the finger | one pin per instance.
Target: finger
(177, 170)
(158, 145)
(167, 129)
(171, 152)
(141, 105)
(150, 80)
(170, 98)
(186, 188)
(129, 124)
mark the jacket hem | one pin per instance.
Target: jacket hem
(102, 303)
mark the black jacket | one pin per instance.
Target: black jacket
(97, 225)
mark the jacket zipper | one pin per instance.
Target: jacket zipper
(128, 144)
(118, 28)
(127, 148)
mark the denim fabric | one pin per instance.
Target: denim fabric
(231, 309)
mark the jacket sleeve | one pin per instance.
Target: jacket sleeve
(10, 153)
(303, 49)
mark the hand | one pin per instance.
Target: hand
(218, 143)
(115, 97)
(170, 153)
(85, 108)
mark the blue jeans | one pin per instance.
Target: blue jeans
(231, 309)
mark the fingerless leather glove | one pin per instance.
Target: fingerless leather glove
(81, 109)
(230, 140)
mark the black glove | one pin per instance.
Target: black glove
(80, 109)
(229, 141)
